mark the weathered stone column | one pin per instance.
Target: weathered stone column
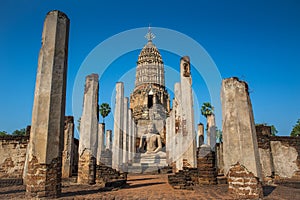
(200, 134)
(134, 135)
(168, 139)
(130, 136)
(176, 127)
(211, 131)
(220, 161)
(88, 141)
(118, 127)
(47, 127)
(108, 141)
(239, 135)
(27, 133)
(125, 133)
(67, 154)
(188, 130)
(100, 148)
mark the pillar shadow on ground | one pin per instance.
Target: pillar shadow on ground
(128, 186)
(84, 192)
(140, 179)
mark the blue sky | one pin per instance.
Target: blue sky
(257, 41)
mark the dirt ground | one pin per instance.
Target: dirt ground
(155, 187)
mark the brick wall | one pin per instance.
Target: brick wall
(109, 177)
(279, 156)
(12, 156)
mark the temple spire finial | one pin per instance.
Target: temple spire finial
(149, 36)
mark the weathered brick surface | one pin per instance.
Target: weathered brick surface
(109, 177)
(86, 168)
(243, 183)
(264, 140)
(263, 136)
(291, 142)
(10, 182)
(204, 174)
(67, 153)
(43, 180)
(184, 179)
(207, 172)
(12, 156)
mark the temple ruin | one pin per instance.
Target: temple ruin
(149, 135)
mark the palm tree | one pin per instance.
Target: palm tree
(207, 109)
(104, 110)
(296, 129)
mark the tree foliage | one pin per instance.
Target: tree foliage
(20, 132)
(296, 129)
(207, 109)
(104, 110)
(3, 133)
(273, 130)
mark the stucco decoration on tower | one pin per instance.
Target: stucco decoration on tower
(150, 100)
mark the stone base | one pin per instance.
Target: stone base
(243, 183)
(148, 163)
(43, 180)
(86, 168)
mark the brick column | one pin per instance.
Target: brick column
(108, 140)
(118, 127)
(239, 135)
(200, 132)
(100, 148)
(88, 141)
(187, 122)
(43, 178)
(67, 155)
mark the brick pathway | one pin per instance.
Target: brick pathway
(154, 187)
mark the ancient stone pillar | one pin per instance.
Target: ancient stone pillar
(88, 141)
(47, 127)
(108, 140)
(200, 134)
(220, 161)
(211, 131)
(125, 132)
(27, 133)
(67, 154)
(100, 148)
(118, 127)
(188, 130)
(168, 139)
(130, 136)
(239, 135)
(176, 127)
(134, 135)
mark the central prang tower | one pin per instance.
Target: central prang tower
(149, 102)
